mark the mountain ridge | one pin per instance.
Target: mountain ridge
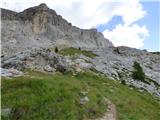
(29, 39)
(40, 22)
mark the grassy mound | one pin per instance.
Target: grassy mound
(73, 51)
(57, 96)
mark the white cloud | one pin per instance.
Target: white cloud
(131, 36)
(130, 12)
(88, 13)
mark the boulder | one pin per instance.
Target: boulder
(84, 100)
(10, 72)
(48, 68)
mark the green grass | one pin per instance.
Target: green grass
(56, 97)
(73, 51)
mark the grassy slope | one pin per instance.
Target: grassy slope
(72, 51)
(48, 97)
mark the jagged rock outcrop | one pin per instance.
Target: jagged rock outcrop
(117, 62)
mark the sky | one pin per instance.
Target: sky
(132, 23)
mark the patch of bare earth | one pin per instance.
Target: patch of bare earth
(111, 112)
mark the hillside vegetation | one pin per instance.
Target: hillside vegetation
(42, 96)
(138, 72)
(74, 51)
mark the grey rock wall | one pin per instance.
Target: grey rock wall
(40, 26)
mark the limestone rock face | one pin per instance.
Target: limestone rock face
(40, 26)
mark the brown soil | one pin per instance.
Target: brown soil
(111, 112)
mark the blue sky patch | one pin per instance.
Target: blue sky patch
(150, 20)
(111, 24)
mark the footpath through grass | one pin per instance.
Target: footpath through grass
(41, 96)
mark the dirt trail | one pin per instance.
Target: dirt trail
(111, 112)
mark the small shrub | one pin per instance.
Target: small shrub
(123, 82)
(138, 72)
(56, 50)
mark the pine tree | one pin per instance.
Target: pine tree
(138, 72)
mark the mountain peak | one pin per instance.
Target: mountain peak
(43, 6)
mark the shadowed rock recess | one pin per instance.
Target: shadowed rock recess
(29, 39)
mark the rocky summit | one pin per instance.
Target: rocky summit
(37, 38)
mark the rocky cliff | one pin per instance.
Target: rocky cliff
(41, 27)
(29, 36)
